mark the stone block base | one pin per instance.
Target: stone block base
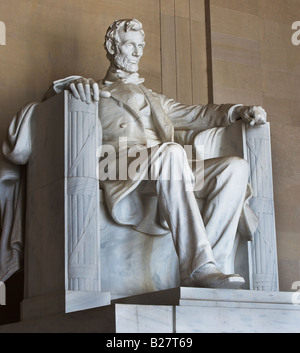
(179, 310)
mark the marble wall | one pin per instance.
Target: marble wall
(250, 59)
(46, 40)
(183, 50)
(255, 62)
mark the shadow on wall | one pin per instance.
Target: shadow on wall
(14, 295)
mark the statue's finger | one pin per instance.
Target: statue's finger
(81, 92)
(105, 94)
(74, 91)
(87, 90)
(96, 91)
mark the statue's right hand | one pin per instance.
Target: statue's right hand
(86, 89)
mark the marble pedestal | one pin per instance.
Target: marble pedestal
(179, 310)
(199, 310)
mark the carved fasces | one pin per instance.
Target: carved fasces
(83, 241)
(263, 252)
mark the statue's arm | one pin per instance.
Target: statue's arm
(202, 117)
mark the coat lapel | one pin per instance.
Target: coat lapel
(161, 120)
(120, 92)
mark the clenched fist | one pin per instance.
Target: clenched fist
(253, 115)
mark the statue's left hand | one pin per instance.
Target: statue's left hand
(253, 115)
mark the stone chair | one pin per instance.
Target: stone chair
(76, 257)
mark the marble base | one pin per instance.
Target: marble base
(179, 310)
(201, 310)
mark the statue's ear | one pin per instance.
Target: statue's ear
(110, 46)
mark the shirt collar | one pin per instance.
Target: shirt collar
(114, 74)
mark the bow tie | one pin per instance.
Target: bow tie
(129, 78)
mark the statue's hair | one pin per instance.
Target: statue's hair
(127, 25)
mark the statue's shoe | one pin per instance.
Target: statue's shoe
(215, 281)
(211, 277)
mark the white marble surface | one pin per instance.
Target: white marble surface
(82, 228)
(240, 296)
(81, 300)
(134, 262)
(202, 310)
(144, 318)
(236, 319)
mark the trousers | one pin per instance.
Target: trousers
(209, 235)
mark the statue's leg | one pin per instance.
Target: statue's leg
(225, 183)
(180, 209)
(177, 201)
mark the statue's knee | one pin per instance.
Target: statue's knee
(174, 149)
(175, 164)
(239, 168)
(174, 153)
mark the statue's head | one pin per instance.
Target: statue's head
(124, 44)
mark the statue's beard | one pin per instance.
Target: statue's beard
(123, 63)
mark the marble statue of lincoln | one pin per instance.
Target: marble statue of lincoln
(127, 109)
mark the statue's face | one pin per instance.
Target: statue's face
(130, 50)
